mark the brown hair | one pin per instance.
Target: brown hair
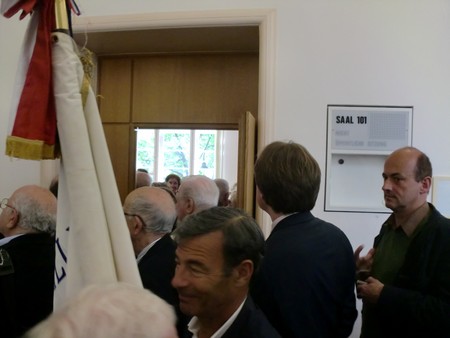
(288, 177)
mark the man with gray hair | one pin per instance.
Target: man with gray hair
(116, 310)
(27, 258)
(150, 215)
(224, 192)
(196, 193)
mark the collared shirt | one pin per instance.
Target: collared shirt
(5, 240)
(389, 257)
(194, 324)
(414, 220)
(145, 250)
(279, 219)
(392, 249)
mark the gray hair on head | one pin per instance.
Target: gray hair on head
(156, 219)
(201, 189)
(33, 214)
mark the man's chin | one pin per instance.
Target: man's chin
(187, 308)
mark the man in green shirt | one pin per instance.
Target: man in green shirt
(408, 291)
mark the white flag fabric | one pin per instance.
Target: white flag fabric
(93, 244)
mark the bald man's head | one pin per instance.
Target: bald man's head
(154, 206)
(29, 209)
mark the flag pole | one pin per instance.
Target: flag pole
(61, 20)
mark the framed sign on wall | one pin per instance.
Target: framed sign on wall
(359, 138)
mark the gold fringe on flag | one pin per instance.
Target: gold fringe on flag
(29, 149)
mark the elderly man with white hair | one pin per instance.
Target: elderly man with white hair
(27, 258)
(115, 310)
(196, 193)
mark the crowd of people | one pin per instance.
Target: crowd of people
(208, 271)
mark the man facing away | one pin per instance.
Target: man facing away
(218, 251)
(150, 215)
(408, 293)
(143, 178)
(305, 285)
(224, 192)
(27, 258)
(196, 193)
(117, 310)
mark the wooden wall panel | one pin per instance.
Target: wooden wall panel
(210, 88)
(118, 139)
(200, 90)
(115, 89)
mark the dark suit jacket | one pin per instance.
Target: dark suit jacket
(250, 323)
(157, 269)
(26, 282)
(305, 284)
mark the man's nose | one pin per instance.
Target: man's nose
(386, 185)
(179, 278)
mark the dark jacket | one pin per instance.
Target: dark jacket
(27, 265)
(418, 302)
(157, 269)
(250, 323)
(305, 284)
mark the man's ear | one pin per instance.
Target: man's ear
(243, 273)
(13, 219)
(190, 206)
(425, 185)
(137, 226)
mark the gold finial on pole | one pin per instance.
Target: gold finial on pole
(62, 22)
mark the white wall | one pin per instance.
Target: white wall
(373, 52)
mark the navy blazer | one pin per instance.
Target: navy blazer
(250, 323)
(305, 284)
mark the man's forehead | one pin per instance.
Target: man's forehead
(400, 165)
(206, 245)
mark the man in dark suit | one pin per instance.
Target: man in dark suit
(27, 259)
(150, 214)
(218, 251)
(306, 282)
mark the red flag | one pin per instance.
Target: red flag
(33, 135)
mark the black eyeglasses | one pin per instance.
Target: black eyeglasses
(135, 215)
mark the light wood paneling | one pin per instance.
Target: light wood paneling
(172, 90)
(118, 139)
(115, 89)
(210, 88)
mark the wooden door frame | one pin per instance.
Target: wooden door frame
(263, 18)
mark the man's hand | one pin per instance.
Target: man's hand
(369, 290)
(365, 262)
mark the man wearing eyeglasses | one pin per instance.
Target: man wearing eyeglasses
(150, 215)
(27, 259)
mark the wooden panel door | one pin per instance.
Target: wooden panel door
(194, 88)
(118, 139)
(114, 89)
(246, 162)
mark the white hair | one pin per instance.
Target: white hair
(201, 189)
(110, 311)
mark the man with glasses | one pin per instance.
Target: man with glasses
(27, 259)
(150, 215)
